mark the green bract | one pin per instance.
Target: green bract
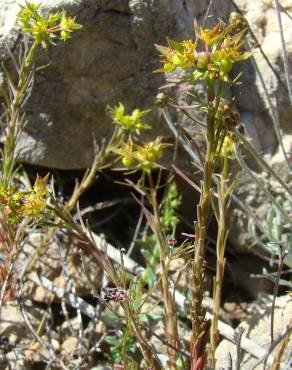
(142, 157)
(46, 28)
(35, 200)
(129, 122)
(67, 26)
(10, 202)
(222, 49)
(15, 204)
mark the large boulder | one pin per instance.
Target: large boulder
(111, 59)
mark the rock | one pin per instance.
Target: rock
(37, 352)
(262, 17)
(48, 264)
(262, 138)
(257, 328)
(254, 198)
(69, 346)
(235, 312)
(256, 116)
(12, 323)
(14, 360)
(110, 60)
(15, 333)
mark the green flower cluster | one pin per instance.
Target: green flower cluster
(131, 123)
(222, 49)
(142, 157)
(10, 202)
(135, 156)
(35, 201)
(46, 28)
(15, 204)
(169, 219)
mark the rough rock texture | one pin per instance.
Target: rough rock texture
(256, 113)
(257, 328)
(262, 17)
(110, 60)
(14, 331)
(50, 264)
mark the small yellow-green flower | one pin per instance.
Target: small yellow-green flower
(221, 49)
(10, 202)
(28, 12)
(142, 157)
(148, 154)
(129, 122)
(178, 55)
(126, 153)
(227, 148)
(210, 36)
(67, 26)
(45, 27)
(231, 48)
(35, 200)
(40, 186)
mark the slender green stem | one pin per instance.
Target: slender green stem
(169, 304)
(220, 252)
(203, 209)
(149, 355)
(14, 126)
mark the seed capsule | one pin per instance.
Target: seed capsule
(226, 65)
(127, 161)
(203, 59)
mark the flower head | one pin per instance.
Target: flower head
(129, 122)
(148, 154)
(142, 157)
(210, 36)
(10, 202)
(67, 26)
(227, 115)
(178, 55)
(237, 23)
(35, 200)
(222, 48)
(114, 294)
(227, 147)
(126, 153)
(45, 27)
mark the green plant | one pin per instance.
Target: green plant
(144, 158)
(169, 221)
(222, 48)
(23, 206)
(136, 302)
(43, 29)
(118, 345)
